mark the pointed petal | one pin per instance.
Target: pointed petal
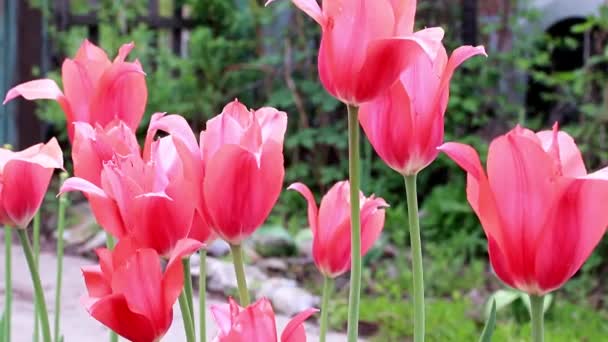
(33, 90)
(570, 158)
(123, 52)
(104, 208)
(313, 211)
(173, 279)
(113, 312)
(372, 222)
(273, 124)
(95, 281)
(294, 331)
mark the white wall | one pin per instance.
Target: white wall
(554, 11)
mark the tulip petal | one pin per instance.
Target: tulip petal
(121, 94)
(575, 227)
(113, 312)
(95, 281)
(570, 158)
(372, 222)
(236, 182)
(313, 211)
(174, 125)
(45, 89)
(79, 88)
(273, 124)
(222, 316)
(23, 190)
(123, 52)
(173, 279)
(294, 331)
(104, 208)
(310, 7)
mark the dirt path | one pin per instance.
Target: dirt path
(76, 324)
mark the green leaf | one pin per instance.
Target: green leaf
(488, 329)
(503, 299)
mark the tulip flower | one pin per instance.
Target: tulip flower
(24, 179)
(405, 123)
(330, 225)
(256, 323)
(95, 89)
(129, 292)
(94, 146)
(365, 45)
(147, 199)
(542, 213)
(331, 229)
(239, 167)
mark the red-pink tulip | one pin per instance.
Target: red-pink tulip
(92, 147)
(366, 44)
(129, 292)
(405, 123)
(24, 179)
(542, 213)
(148, 199)
(330, 225)
(95, 89)
(256, 323)
(239, 164)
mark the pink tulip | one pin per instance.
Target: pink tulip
(129, 292)
(95, 90)
(149, 199)
(542, 213)
(330, 226)
(24, 179)
(256, 323)
(405, 123)
(92, 147)
(239, 165)
(366, 44)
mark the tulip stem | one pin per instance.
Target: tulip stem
(328, 284)
(63, 203)
(202, 294)
(36, 242)
(39, 294)
(188, 324)
(537, 313)
(8, 289)
(414, 225)
(354, 171)
(239, 268)
(110, 243)
(188, 286)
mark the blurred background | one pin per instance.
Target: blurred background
(548, 62)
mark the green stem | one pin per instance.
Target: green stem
(110, 243)
(36, 242)
(188, 324)
(188, 286)
(537, 313)
(239, 268)
(44, 318)
(8, 242)
(202, 294)
(328, 284)
(412, 209)
(63, 203)
(354, 170)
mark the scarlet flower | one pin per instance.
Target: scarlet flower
(405, 123)
(149, 199)
(542, 213)
(129, 292)
(96, 90)
(239, 165)
(24, 179)
(366, 44)
(256, 323)
(330, 226)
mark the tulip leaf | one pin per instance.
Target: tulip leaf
(490, 326)
(503, 298)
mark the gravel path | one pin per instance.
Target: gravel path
(76, 324)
